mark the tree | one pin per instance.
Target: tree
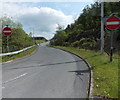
(87, 26)
(60, 38)
(19, 39)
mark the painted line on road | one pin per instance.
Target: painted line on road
(3, 87)
(6, 62)
(15, 78)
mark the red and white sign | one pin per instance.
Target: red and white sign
(7, 31)
(112, 23)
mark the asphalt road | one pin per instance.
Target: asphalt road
(48, 73)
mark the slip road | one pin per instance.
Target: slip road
(48, 73)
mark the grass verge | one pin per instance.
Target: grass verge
(22, 54)
(105, 73)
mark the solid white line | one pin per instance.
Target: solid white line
(113, 23)
(8, 61)
(3, 87)
(15, 78)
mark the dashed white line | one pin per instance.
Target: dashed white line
(15, 78)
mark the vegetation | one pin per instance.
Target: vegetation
(85, 31)
(105, 73)
(19, 39)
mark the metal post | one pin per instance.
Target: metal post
(8, 44)
(111, 47)
(33, 35)
(102, 27)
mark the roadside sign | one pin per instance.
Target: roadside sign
(112, 23)
(7, 31)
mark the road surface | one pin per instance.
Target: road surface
(48, 73)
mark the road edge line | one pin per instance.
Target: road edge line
(7, 62)
(90, 92)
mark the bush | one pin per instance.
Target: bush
(85, 43)
(66, 44)
(18, 40)
(75, 44)
(59, 38)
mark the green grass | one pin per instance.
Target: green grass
(22, 54)
(105, 73)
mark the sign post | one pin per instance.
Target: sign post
(7, 31)
(8, 44)
(112, 23)
(111, 47)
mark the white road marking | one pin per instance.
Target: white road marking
(7, 62)
(15, 78)
(3, 87)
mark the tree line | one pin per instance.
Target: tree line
(19, 39)
(85, 31)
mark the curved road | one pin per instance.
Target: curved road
(48, 73)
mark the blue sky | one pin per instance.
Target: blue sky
(44, 17)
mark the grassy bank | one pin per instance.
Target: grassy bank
(22, 54)
(105, 73)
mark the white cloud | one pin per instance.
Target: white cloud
(47, 0)
(44, 20)
(60, 1)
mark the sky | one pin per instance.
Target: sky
(42, 18)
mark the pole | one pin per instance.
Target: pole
(102, 28)
(111, 47)
(8, 44)
(33, 34)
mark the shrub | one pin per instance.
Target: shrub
(76, 44)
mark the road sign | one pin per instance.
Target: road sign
(7, 31)
(112, 23)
